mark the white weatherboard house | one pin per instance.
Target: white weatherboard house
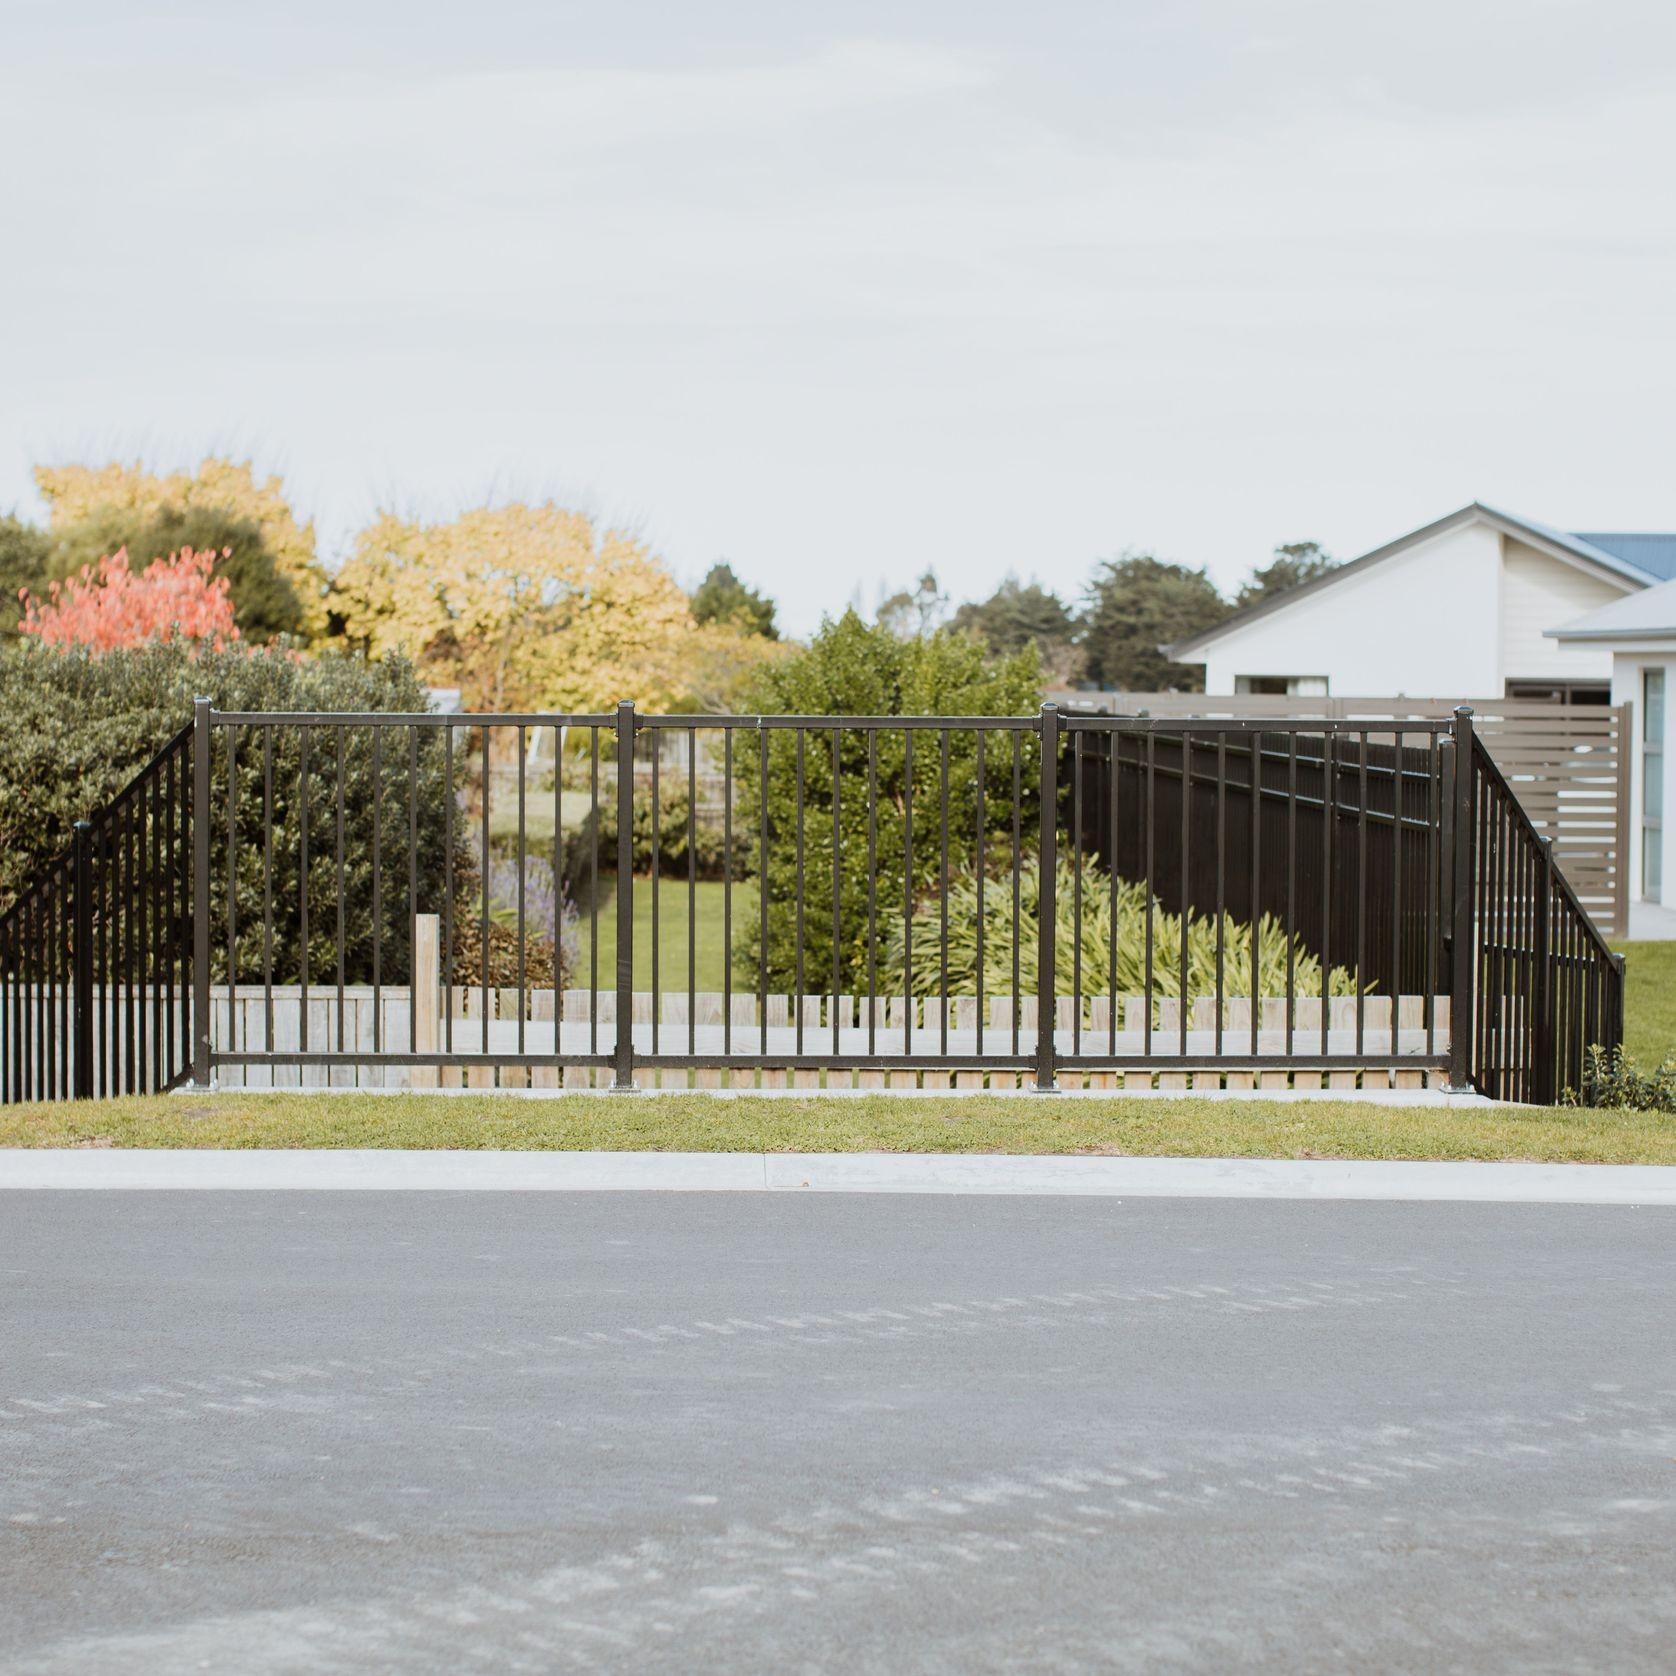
(1483, 604)
(1637, 634)
(1461, 607)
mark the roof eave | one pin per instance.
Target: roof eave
(1188, 650)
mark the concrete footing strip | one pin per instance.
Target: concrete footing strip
(741, 1172)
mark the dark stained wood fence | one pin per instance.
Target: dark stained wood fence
(1567, 764)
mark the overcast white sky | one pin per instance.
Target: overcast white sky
(840, 291)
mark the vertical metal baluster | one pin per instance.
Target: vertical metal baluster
(1221, 881)
(623, 1055)
(727, 892)
(268, 888)
(1398, 849)
(142, 903)
(1018, 865)
(1047, 930)
(657, 871)
(523, 865)
(159, 936)
(1186, 890)
(593, 892)
(1151, 878)
(413, 890)
(908, 890)
(186, 937)
(54, 1042)
(1488, 834)
(378, 890)
(1076, 892)
(1434, 904)
(1292, 892)
(1256, 882)
(1329, 820)
(129, 924)
(8, 989)
(1362, 897)
(302, 886)
(837, 890)
(232, 891)
(483, 883)
(171, 928)
(872, 891)
(195, 907)
(450, 804)
(102, 957)
(763, 736)
(556, 930)
(339, 789)
(797, 998)
(692, 890)
(943, 893)
(980, 863)
(1114, 755)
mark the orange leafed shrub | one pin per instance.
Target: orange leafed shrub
(108, 606)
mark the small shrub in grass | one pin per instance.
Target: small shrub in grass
(708, 837)
(544, 966)
(548, 917)
(1102, 909)
(1613, 1079)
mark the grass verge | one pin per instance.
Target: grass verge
(881, 1123)
(1649, 1001)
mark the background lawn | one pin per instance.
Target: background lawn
(1649, 1001)
(711, 947)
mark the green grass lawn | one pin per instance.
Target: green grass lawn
(1649, 1001)
(710, 949)
(872, 1123)
(538, 818)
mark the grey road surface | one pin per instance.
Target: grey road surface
(658, 1432)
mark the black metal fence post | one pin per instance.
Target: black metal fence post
(1542, 982)
(1460, 918)
(201, 894)
(624, 1080)
(1047, 917)
(82, 991)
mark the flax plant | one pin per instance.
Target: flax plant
(1104, 908)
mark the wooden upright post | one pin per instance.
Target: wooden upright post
(427, 994)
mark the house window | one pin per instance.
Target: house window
(1652, 785)
(1562, 692)
(1282, 686)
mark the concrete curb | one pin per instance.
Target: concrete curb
(753, 1172)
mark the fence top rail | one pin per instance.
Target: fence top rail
(642, 720)
(1499, 710)
(405, 718)
(1074, 722)
(1071, 720)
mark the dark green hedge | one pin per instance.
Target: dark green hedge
(79, 728)
(852, 668)
(708, 838)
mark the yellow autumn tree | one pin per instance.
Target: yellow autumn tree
(521, 607)
(76, 493)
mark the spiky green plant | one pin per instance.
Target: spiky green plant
(1102, 907)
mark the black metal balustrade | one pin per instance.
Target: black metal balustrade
(96, 952)
(1052, 900)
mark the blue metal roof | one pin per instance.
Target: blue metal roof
(1655, 554)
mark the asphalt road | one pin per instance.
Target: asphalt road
(455, 1432)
